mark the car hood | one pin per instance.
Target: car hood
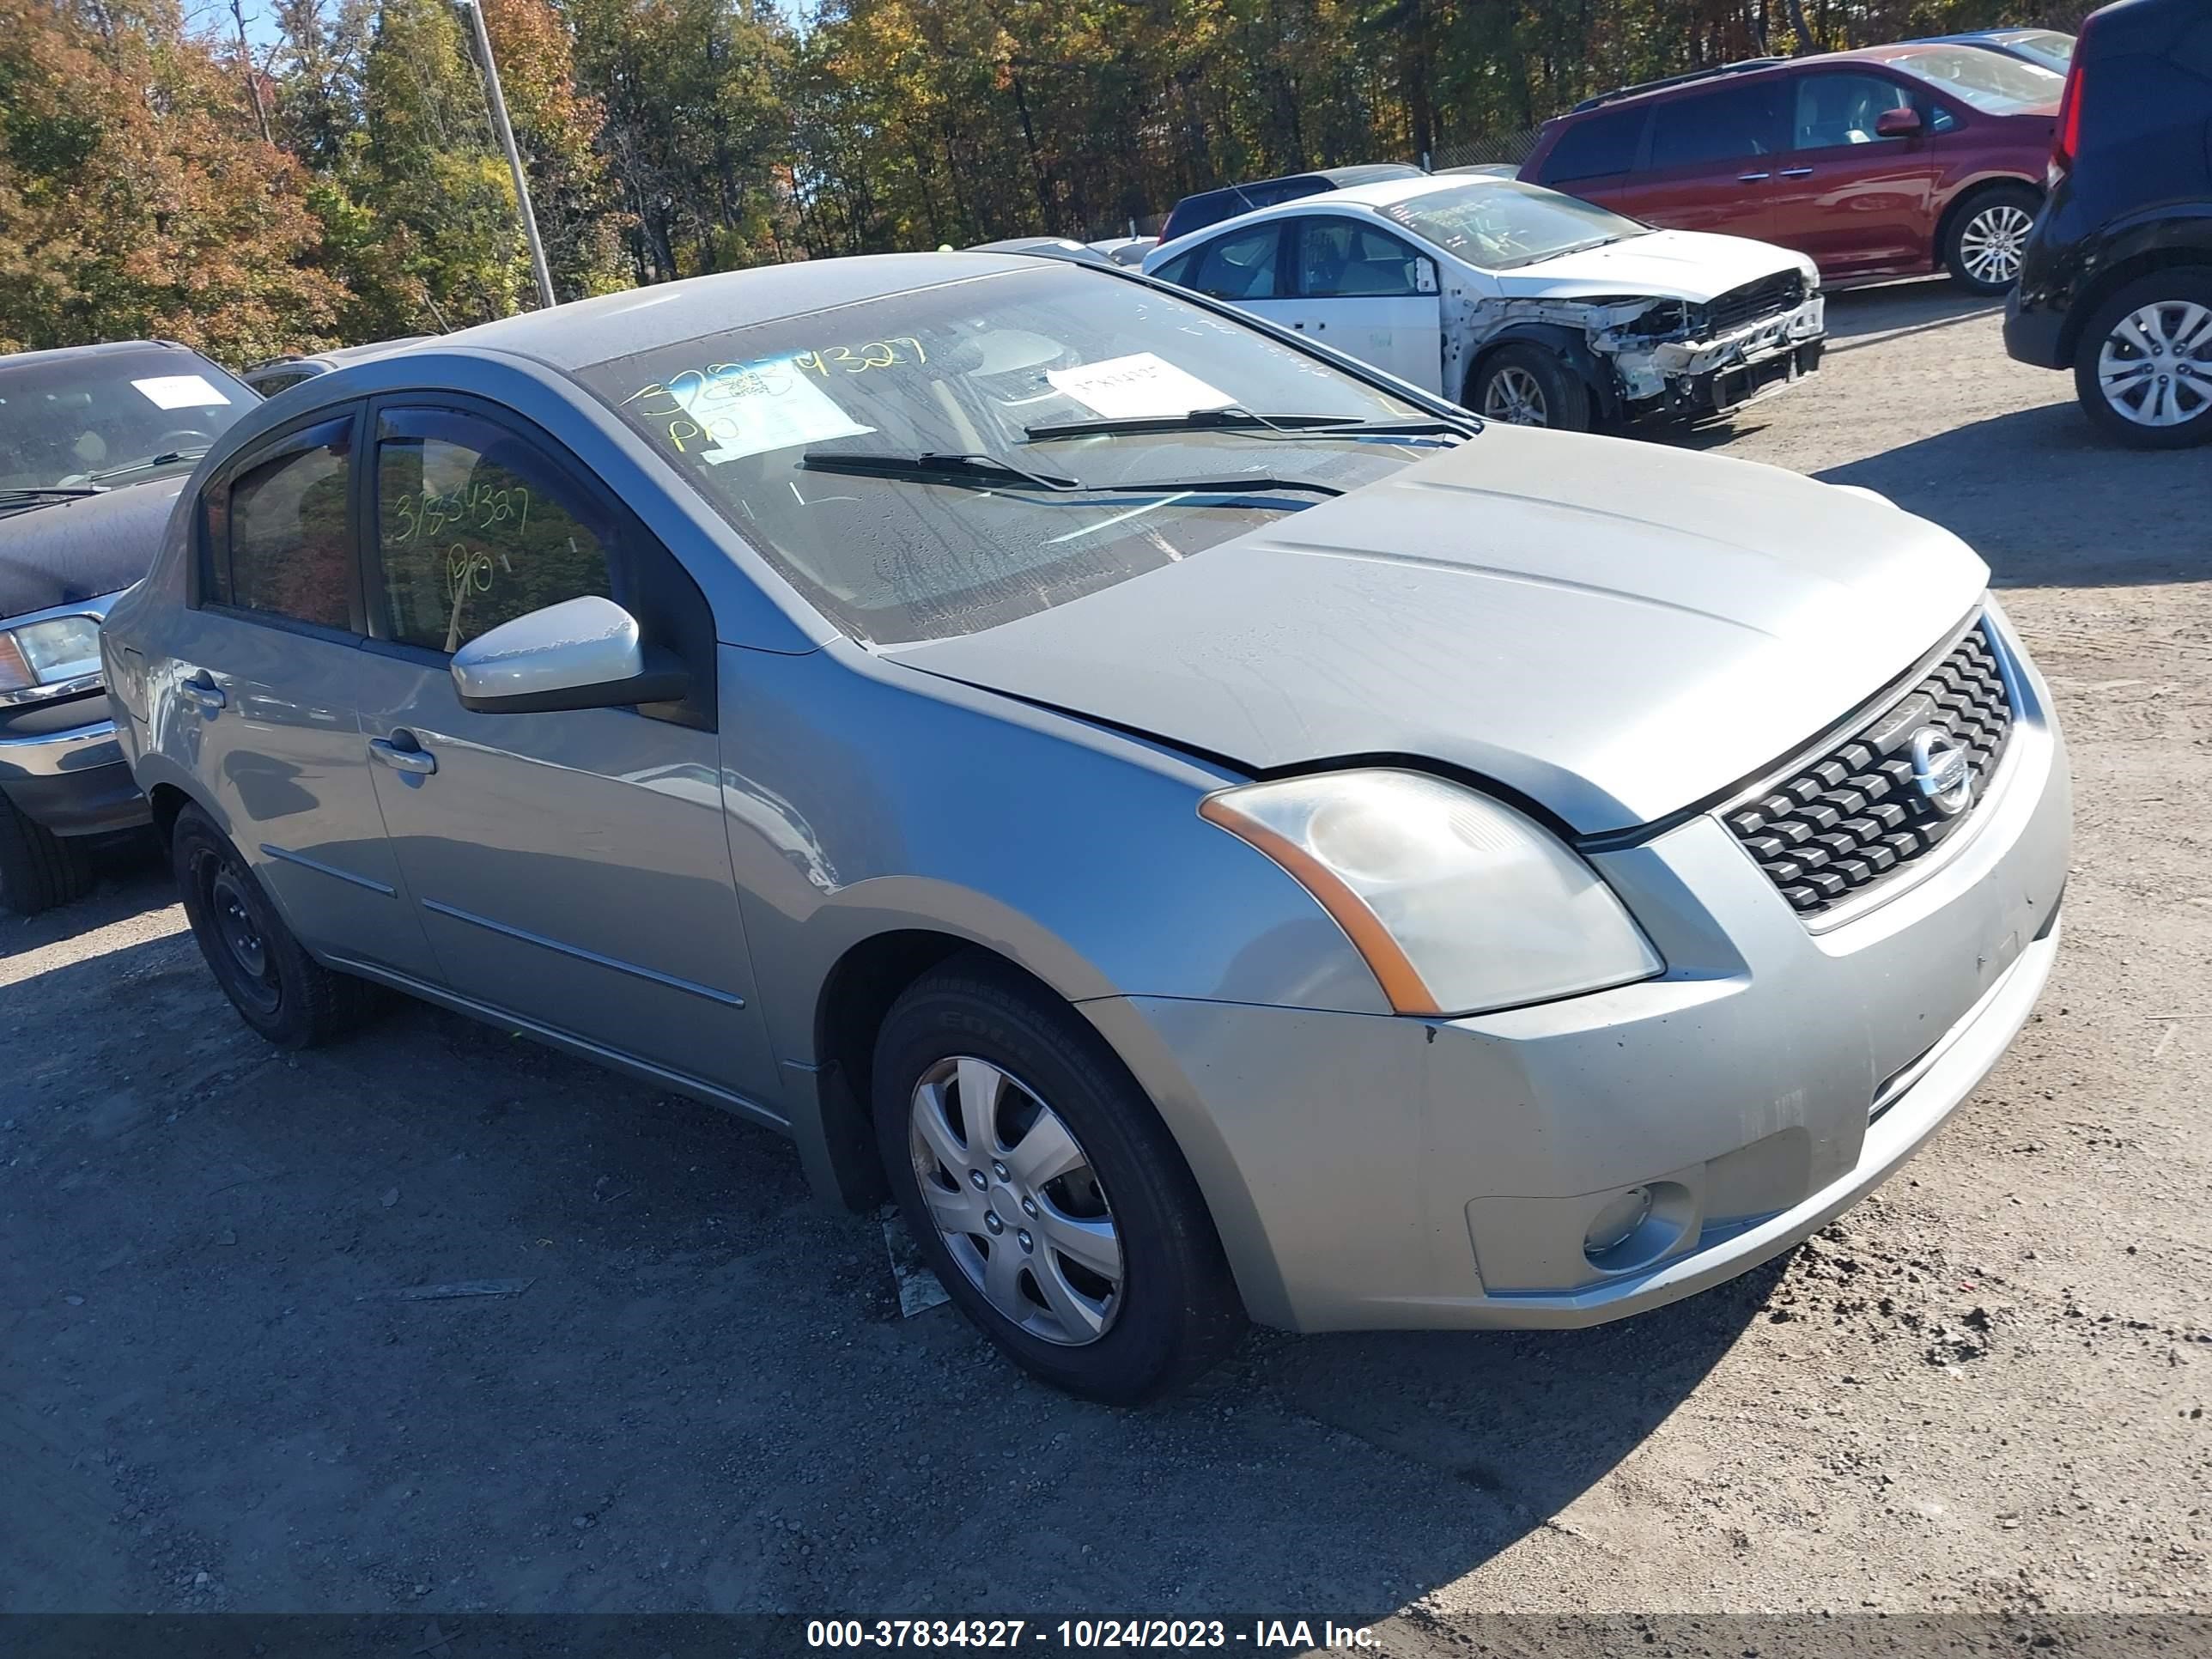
(81, 547)
(1615, 629)
(1674, 265)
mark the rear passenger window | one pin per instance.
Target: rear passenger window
(1239, 266)
(1721, 125)
(1596, 147)
(475, 527)
(283, 544)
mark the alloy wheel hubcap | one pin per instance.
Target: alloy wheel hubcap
(1992, 245)
(1514, 397)
(2155, 366)
(1014, 1197)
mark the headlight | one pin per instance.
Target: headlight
(1459, 903)
(49, 652)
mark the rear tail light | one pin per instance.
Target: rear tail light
(2067, 144)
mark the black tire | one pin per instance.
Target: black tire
(278, 989)
(38, 869)
(2182, 286)
(1175, 1312)
(1983, 240)
(1513, 375)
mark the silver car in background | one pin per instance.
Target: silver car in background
(1219, 834)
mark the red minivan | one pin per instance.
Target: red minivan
(1889, 162)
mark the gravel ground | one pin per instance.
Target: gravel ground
(1983, 1390)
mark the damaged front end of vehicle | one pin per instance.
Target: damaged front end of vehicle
(1652, 354)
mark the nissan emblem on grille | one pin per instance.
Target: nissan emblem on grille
(1851, 817)
(1941, 771)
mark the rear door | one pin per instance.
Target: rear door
(267, 659)
(1369, 293)
(1857, 202)
(571, 868)
(1710, 159)
(1245, 267)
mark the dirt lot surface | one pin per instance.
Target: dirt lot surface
(1985, 1390)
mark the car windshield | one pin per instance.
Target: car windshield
(1991, 82)
(967, 511)
(2048, 47)
(1497, 224)
(103, 418)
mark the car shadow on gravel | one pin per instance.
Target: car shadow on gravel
(2045, 497)
(439, 1319)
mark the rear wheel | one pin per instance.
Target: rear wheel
(1527, 386)
(1983, 246)
(1044, 1189)
(277, 988)
(2143, 370)
(38, 869)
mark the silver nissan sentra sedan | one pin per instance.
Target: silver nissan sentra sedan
(1221, 833)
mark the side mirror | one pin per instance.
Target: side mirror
(580, 654)
(1425, 276)
(1898, 124)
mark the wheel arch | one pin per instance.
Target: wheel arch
(832, 1119)
(2111, 279)
(1563, 343)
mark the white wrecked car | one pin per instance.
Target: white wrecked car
(1527, 306)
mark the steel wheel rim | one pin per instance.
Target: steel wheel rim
(2155, 366)
(1025, 1219)
(1993, 243)
(230, 915)
(1514, 397)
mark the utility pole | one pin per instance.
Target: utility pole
(497, 101)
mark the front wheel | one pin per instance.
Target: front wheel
(1983, 248)
(1045, 1192)
(1527, 385)
(2143, 370)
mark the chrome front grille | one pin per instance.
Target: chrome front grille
(1858, 814)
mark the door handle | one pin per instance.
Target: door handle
(202, 689)
(1752, 177)
(1796, 172)
(408, 757)
(1298, 324)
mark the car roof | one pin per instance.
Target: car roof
(14, 360)
(609, 326)
(1756, 68)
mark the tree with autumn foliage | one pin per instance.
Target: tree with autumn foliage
(137, 197)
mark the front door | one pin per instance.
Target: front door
(1370, 294)
(269, 657)
(1857, 202)
(1710, 161)
(571, 868)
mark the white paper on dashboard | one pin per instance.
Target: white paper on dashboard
(179, 392)
(764, 407)
(1137, 388)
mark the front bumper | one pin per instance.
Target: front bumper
(1371, 1172)
(63, 768)
(1727, 372)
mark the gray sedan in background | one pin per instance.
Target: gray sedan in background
(1218, 832)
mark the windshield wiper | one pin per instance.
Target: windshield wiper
(1243, 420)
(981, 472)
(46, 492)
(167, 458)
